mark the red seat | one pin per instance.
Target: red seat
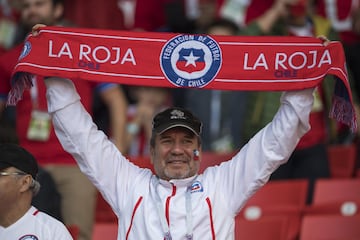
(326, 227)
(336, 190)
(265, 228)
(143, 162)
(105, 231)
(279, 198)
(335, 197)
(342, 160)
(209, 159)
(344, 208)
(103, 211)
(281, 193)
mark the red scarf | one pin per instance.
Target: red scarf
(186, 60)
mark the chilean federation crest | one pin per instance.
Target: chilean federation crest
(26, 50)
(191, 60)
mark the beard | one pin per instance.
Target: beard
(33, 19)
(171, 174)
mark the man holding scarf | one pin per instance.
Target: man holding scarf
(176, 202)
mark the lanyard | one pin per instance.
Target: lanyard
(160, 210)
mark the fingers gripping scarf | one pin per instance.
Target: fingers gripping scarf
(185, 60)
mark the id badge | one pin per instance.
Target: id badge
(7, 32)
(39, 127)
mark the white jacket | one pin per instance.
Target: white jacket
(35, 224)
(217, 195)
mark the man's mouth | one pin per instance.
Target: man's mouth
(176, 161)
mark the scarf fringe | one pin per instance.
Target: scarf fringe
(343, 111)
(20, 81)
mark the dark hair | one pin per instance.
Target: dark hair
(225, 23)
(55, 2)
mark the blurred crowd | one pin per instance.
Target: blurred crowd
(125, 112)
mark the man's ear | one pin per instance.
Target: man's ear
(25, 183)
(58, 11)
(152, 155)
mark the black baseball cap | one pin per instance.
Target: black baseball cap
(176, 117)
(12, 155)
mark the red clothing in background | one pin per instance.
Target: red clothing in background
(153, 15)
(94, 14)
(45, 152)
(344, 9)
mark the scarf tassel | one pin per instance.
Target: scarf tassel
(20, 82)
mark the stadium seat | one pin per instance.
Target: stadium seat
(209, 158)
(334, 227)
(265, 228)
(336, 190)
(105, 231)
(279, 198)
(342, 160)
(142, 161)
(103, 211)
(335, 197)
(281, 194)
(344, 208)
(74, 231)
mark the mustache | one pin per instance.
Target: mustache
(177, 159)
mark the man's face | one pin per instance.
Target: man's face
(173, 154)
(9, 189)
(40, 11)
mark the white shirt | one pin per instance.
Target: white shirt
(35, 225)
(216, 196)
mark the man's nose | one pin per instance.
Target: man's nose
(177, 147)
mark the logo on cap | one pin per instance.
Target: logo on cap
(191, 60)
(176, 117)
(177, 114)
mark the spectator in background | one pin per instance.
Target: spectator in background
(8, 24)
(148, 102)
(113, 15)
(181, 16)
(344, 17)
(175, 15)
(234, 10)
(222, 126)
(36, 134)
(224, 130)
(95, 14)
(165, 15)
(18, 185)
(48, 199)
(309, 160)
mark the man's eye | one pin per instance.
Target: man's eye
(167, 141)
(187, 141)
